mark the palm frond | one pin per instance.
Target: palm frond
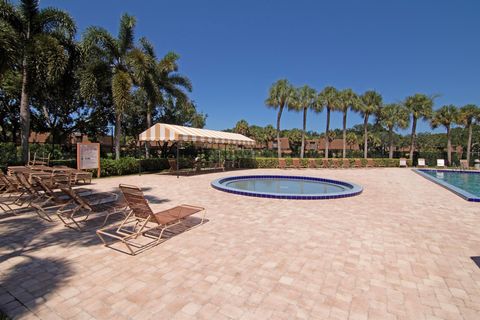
(51, 20)
(147, 47)
(100, 38)
(121, 86)
(11, 16)
(126, 34)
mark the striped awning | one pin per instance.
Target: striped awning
(170, 132)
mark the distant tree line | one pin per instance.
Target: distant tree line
(461, 124)
(49, 82)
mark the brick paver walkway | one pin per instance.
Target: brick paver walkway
(400, 250)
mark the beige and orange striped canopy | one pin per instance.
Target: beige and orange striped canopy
(170, 132)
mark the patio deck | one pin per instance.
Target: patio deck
(400, 250)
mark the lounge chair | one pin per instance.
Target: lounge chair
(335, 163)
(325, 163)
(173, 165)
(80, 208)
(421, 163)
(345, 163)
(312, 164)
(403, 163)
(12, 193)
(440, 163)
(282, 163)
(358, 163)
(142, 220)
(370, 163)
(296, 163)
(464, 164)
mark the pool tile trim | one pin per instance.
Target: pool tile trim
(354, 188)
(460, 192)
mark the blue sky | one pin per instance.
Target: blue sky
(234, 50)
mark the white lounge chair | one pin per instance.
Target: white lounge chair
(441, 163)
(421, 162)
(403, 162)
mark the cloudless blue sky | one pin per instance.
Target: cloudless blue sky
(234, 50)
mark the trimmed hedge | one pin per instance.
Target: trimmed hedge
(248, 163)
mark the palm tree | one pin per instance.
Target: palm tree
(467, 116)
(446, 116)
(118, 56)
(369, 104)
(394, 116)
(420, 106)
(304, 99)
(242, 127)
(328, 98)
(347, 100)
(40, 38)
(351, 139)
(279, 97)
(156, 78)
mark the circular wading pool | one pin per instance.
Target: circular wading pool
(287, 187)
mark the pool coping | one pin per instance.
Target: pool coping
(458, 191)
(355, 189)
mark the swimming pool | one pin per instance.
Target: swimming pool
(466, 184)
(287, 187)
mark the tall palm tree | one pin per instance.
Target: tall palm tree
(242, 127)
(394, 116)
(118, 56)
(157, 78)
(467, 116)
(279, 97)
(40, 38)
(304, 99)
(369, 104)
(446, 116)
(420, 107)
(327, 98)
(347, 99)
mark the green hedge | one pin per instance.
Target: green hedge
(273, 162)
(130, 165)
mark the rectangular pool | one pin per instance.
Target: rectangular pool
(466, 184)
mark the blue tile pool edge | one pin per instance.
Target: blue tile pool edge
(354, 188)
(459, 192)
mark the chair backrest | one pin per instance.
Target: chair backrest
(282, 163)
(78, 199)
(346, 163)
(136, 201)
(9, 186)
(440, 163)
(173, 164)
(463, 164)
(421, 162)
(25, 183)
(312, 163)
(296, 162)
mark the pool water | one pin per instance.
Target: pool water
(468, 181)
(285, 186)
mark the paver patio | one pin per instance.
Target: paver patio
(400, 250)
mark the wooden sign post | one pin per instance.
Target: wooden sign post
(88, 156)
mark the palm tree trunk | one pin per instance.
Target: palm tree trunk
(390, 149)
(345, 134)
(303, 132)
(149, 124)
(279, 116)
(326, 132)
(118, 133)
(412, 145)
(449, 146)
(469, 143)
(365, 137)
(24, 112)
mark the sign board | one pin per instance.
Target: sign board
(88, 156)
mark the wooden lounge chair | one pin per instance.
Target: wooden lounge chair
(312, 164)
(296, 163)
(282, 163)
(104, 203)
(403, 163)
(173, 165)
(325, 163)
(464, 164)
(335, 163)
(358, 163)
(345, 163)
(143, 221)
(421, 163)
(370, 163)
(12, 193)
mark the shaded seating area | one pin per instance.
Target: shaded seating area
(142, 221)
(178, 135)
